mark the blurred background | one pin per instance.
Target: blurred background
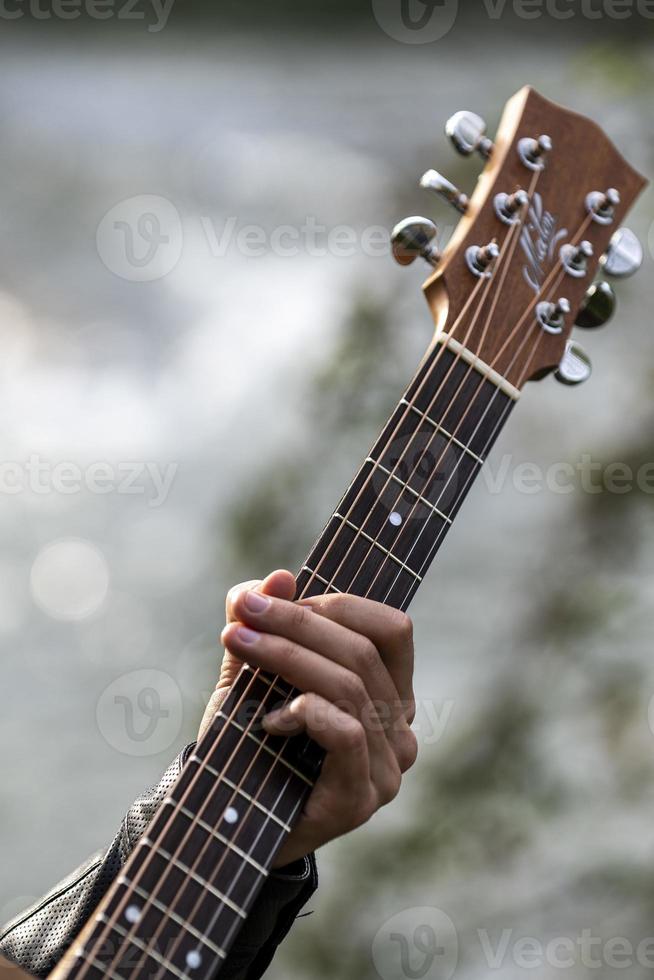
(187, 388)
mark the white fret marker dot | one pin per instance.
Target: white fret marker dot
(193, 959)
(132, 913)
(395, 519)
(231, 815)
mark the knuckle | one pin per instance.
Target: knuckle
(402, 626)
(299, 615)
(363, 809)
(353, 688)
(365, 656)
(353, 737)
(407, 751)
(390, 786)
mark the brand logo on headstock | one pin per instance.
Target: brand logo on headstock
(539, 239)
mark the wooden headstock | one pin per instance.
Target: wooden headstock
(497, 318)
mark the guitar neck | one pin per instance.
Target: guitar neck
(394, 517)
(193, 878)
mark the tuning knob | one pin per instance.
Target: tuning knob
(467, 131)
(598, 307)
(433, 181)
(575, 366)
(413, 237)
(624, 256)
(574, 258)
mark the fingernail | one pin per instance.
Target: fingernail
(272, 716)
(246, 635)
(256, 603)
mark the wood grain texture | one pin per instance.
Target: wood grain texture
(583, 159)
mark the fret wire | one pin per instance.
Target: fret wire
(216, 835)
(216, 950)
(320, 579)
(199, 879)
(440, 428)
(367, 537)
(267, 748)
(144, 947)
(405, 486)
(241, 792)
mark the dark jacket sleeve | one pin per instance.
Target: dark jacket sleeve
(37, 938)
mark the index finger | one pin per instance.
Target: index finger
(279, 584)
(389, 629)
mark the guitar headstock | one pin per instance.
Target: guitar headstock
(520, 268)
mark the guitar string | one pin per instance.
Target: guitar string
(452, 475)
(259, 749)
(143, 868)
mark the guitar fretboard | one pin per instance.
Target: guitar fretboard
(193, 878)
(393, 519)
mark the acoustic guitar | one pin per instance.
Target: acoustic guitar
(505, 293)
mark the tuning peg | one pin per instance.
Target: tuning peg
(551, 316)
(413, 237)
(467, 131)
(598, 307)
(533, 152)
(574, 258)
(624, 256)
(433, 181)
(480, 260)
(575, 366)
(601, 205)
